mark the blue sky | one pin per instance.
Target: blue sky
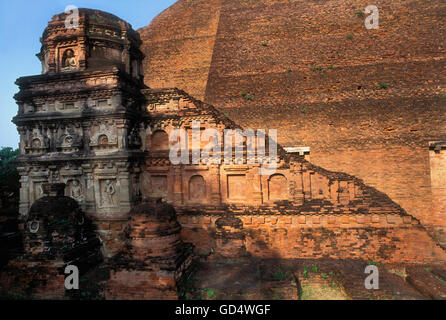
(21, 25)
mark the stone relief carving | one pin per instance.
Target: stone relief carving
(69, 60)
(75, 190)
(38, 193)
(103, 137)
(69, 140)
(108, 193)
(37, 142)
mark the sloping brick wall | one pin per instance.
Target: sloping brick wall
(271, 50)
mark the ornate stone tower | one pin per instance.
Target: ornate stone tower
(80, 120)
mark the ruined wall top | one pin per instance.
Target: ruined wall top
(83, 39)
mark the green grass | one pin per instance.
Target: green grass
(331, 67)
(350, 36)
(360, 13)
(317, 68)
(247, 96)
(373, 263)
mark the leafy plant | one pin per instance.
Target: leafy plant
(247, 96)
(360, 13)
(373, 263)
(264, 43)
(210, 293)
(279, 275)
(383, 85)
(306, 272)
(350, 36)
(9, 176)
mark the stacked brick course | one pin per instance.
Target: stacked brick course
(156, 259)
(318, 87)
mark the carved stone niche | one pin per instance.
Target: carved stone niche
(37, 143)
(75, 190)
(69, 141)
(103, 137)
(108, 193)
(68, 60)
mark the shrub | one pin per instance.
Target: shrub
(9, 176)
(383, 85)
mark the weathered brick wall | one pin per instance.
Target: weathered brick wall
(350, 122)
(388, 238)
(29, 280)
(438, 178)
(141, 285)
(179, 44)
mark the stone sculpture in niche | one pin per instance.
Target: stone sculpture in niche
(68, 61)
(76, 190)
(109, 192)
(36, 143)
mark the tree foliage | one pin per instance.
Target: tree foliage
(9, 176)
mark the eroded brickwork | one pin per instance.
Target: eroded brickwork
(437, 155)
(89, 124)
(383, 238)
(367, 105)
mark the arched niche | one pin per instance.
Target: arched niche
(160, 141)
(278, 187)
(103, 140)
(197, 189)
(68, 60)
